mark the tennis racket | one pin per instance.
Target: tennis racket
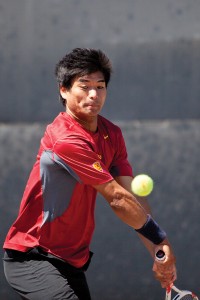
(180, 294)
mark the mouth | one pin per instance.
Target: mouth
(92, 105)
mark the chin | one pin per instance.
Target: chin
(93, 112)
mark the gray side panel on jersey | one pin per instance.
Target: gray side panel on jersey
(58, 182)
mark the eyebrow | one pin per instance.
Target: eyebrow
(86, 80)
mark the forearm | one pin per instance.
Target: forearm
(131, 212)
(123, 204)
(152, 248)
(126, 183)
(165, 272)
(147, 243)
(136, 212)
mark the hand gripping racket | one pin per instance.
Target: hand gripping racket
(180, 294)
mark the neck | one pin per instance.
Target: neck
(90, 125)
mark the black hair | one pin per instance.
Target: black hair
(80, 62)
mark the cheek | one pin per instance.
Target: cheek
(78, 96)
(103, 97)
(74, 98)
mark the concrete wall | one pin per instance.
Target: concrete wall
(154, 96)
(154, 46)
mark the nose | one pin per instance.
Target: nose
(93, 93)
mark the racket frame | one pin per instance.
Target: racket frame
(180, 293)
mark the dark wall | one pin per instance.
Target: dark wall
(154, 80)
(154, 47)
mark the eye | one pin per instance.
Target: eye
(100, 87)
(84, 87)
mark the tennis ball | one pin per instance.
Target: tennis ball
(142, 185)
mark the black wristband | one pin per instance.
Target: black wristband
(152, 231)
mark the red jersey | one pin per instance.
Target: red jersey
(57, 208)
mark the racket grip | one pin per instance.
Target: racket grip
(160, 255)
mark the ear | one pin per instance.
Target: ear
(63, 92)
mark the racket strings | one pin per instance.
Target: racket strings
(186, 297)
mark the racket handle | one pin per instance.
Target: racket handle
(160, 255)
(168, 295)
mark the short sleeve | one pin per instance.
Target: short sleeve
(79, 156)
(120, 165)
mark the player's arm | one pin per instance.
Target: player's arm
(163, 272)
(125, 181)
(130, 211)
(134, 212)
(123, 203)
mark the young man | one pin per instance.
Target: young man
(47, 248)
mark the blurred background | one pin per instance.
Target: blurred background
(154, 96)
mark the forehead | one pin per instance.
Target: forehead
(93, 77)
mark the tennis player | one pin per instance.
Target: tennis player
(47, 249)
